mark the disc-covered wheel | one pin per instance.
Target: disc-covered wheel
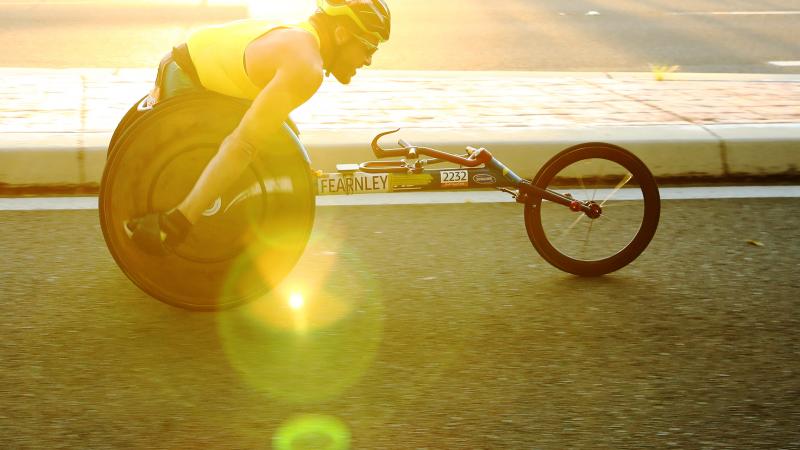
(621, 216)
(245, 242)
(127, 120)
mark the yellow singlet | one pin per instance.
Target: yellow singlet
(218, 54)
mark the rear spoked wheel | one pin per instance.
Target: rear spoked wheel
(623, 202)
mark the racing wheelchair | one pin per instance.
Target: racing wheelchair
(590, 210)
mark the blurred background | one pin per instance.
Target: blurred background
(580, 35)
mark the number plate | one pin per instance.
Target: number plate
(454, 178)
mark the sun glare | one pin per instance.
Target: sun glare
(296, 300)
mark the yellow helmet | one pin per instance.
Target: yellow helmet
(371, 16)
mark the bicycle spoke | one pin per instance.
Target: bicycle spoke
(597, 183)
(572, 225)
(583, 186)
(617, 203)
(619, 186)
(586, 241)
(608, 219)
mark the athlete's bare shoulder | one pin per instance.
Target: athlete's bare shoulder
(282, 48)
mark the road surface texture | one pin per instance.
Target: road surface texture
(424, 327)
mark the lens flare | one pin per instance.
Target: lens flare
(312, 431)
(296, 300)
(315, 334)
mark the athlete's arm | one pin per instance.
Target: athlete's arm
(291, 72)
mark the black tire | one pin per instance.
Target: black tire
(629, 226)
(244, 244)
(135, 114)
(127, 120)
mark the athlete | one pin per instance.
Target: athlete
(277, 67)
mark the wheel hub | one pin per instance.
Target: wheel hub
(594, 211)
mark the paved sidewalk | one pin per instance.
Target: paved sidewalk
(55, 124)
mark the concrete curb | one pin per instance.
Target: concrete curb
(708, 152)
(687, 127)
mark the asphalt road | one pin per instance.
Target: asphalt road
(550, 35)
(433, 327)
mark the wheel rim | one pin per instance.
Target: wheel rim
(610, 187)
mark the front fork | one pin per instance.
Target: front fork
(528, 191)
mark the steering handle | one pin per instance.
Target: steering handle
(476, 157)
